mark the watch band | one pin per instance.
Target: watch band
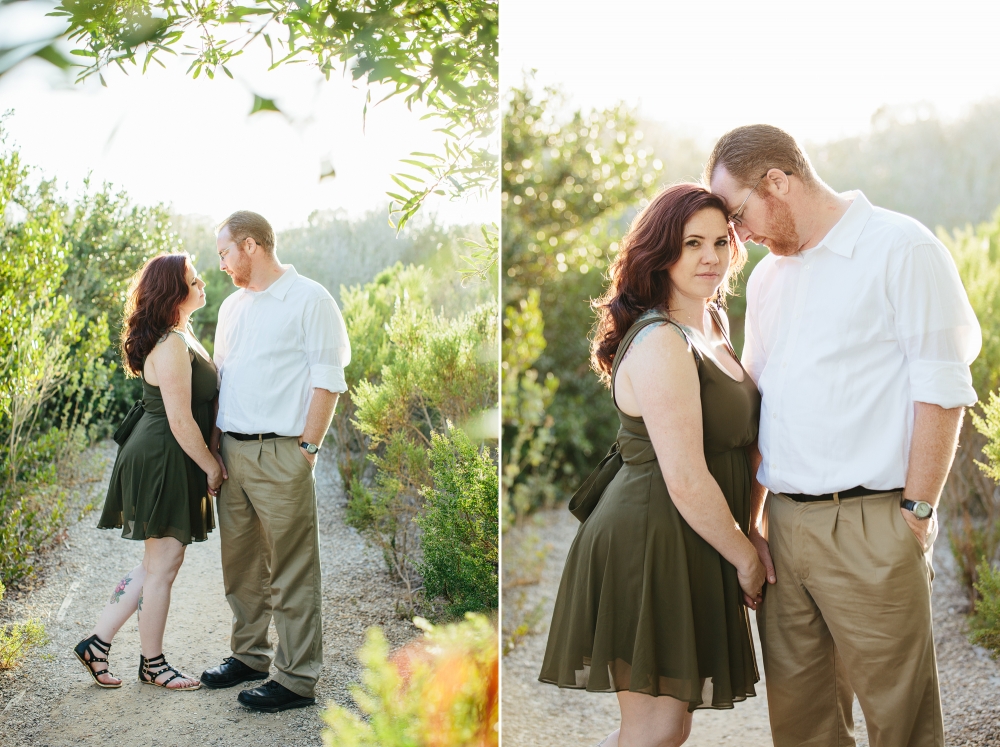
(311, 448)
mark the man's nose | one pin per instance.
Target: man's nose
(743, 232)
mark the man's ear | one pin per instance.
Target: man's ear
(777, 182)
(251, 246)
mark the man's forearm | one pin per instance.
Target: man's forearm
(932, 450)
(757, 491)
(216, 438)
(319, 416)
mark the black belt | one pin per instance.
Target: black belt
(253, 436)
(850, 493)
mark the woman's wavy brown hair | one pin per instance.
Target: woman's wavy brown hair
(151, 309)
(639, 280)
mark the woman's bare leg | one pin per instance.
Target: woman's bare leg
(652, 722)
(123, 602)
(162, 560)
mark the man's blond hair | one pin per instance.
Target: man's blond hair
(244, 224)
(748, 152)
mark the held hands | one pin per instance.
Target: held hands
(217, 475)
(753, 576)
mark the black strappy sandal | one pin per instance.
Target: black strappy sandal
(83, 649)
(150, 669)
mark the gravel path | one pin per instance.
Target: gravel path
(537, 715)
(51, 701)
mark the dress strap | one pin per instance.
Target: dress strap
(714, 311)
(640, 324)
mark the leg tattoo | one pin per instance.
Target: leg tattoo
(119, 590)
(140, 606)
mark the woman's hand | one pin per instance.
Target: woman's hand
(215, 477)
(751, 575)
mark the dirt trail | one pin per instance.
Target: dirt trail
(51, 701)
(537, 715)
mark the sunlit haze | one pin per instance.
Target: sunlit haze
(191, 144)
(818, 70)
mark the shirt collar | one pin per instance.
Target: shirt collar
(279, 288)
(845, 234)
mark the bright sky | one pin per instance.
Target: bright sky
(189, 143)
(817, 69)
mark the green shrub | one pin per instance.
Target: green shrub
(440, 691)
(459, 523)
(985, 624)
(17, 639)
(426, 370)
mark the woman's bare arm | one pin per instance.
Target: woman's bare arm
(661, 378)
(171, 368)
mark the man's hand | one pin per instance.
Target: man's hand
(764, 553)
(311, 458)
(921, 528)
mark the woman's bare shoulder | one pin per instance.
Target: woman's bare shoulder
(658, 339)
(171, 347)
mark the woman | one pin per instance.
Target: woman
(652, 594)
(164, 473)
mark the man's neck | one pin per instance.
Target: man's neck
(823, 209)
(261, 278)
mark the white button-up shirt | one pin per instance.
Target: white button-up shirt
(272, 348)
(843, 338)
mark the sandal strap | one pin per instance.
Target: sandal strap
(159, 663)
(103, 646)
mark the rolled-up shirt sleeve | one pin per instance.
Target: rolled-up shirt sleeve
(327, 348)
(936, 326)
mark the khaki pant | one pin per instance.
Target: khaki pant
(270, 558)
(850, 613)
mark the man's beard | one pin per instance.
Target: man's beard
(240, 272)
(782, 238)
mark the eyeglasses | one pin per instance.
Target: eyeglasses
(224, 252)
(735, 218)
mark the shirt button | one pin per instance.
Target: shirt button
(785, 364)
(774, 416)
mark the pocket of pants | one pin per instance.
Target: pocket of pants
(911, 537)
(302, 456)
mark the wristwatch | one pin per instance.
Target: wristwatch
(310, 448)
(921, 509)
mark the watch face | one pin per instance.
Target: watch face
(922, 510)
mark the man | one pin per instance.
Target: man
(281, 348)
(859, 336)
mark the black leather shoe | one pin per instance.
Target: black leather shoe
(272, 697)
(230, 672)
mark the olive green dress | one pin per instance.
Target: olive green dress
(645, 604)
(156, 489)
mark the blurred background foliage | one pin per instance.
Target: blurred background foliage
(573, 180)
(442, 690)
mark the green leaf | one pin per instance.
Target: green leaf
(260, 104)
(52, 55)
